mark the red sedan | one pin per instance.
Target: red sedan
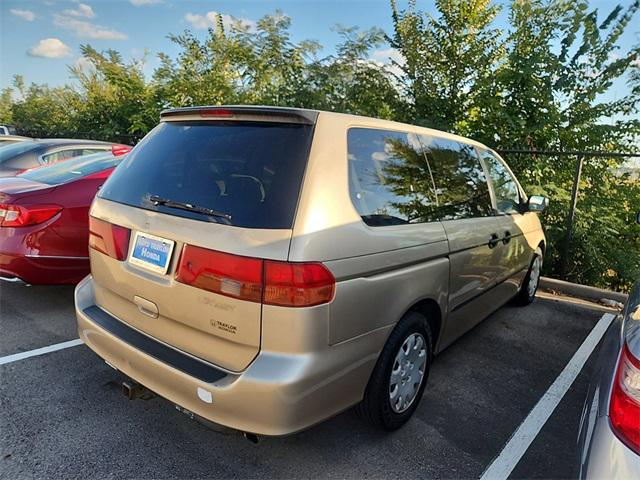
(44, 219)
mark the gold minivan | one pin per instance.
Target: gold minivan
(266, 268)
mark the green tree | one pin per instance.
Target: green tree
(448, 60)
(43, 111)
(6, 105)
(521, 98)
(275, 68)
(350, 82)
(204, 72)
(562, 61)
(544, 83)
(116, 99)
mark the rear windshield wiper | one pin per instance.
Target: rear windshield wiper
(157, 200)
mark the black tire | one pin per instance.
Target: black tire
(523, 297)
(376, 407)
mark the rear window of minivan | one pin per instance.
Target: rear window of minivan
(250, 171)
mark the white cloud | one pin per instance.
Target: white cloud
(379, 156)
(83, 10)
(386, 57)
(84, 29)
(27, 15)
(84, 64)
(141, 3)
(50, 48)
(209, 20)
(197, 21)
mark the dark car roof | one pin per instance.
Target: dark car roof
(50, 142)
(23, 155)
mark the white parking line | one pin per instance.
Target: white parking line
(503, 464)
(40, 351)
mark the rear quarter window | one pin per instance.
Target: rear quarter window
(389, 179)
(251, 171)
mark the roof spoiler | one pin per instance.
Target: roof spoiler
(241, 113)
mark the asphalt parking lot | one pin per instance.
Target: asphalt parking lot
(62, 413)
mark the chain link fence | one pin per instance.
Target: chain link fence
(592, 234)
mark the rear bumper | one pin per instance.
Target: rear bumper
(277, 394)
(601, 453)
(607, 456)
(43, 270)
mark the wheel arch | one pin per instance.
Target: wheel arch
(433, 313)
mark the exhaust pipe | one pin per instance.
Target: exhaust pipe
(252, 437)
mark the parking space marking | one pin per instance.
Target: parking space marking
(505, 462)
(39, 351)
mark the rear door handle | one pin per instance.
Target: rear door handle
(493, 241)
(507, 237)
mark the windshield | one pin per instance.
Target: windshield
(7, 152)
(73, 169)
(249, 171)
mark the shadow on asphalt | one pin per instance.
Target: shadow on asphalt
(62, 414)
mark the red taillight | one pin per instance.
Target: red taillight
(119, 150)
(297, 284)
(254, 279)
(112, 240)
(230, 275)
(25, 215)
(624, 408)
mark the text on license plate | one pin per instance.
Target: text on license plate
(151, 252)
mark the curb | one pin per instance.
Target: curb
(581, 291)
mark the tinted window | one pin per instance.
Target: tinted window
(461, 186)
(504, 186)
(73, 169)
(69, 153)
(7, 152)
(389, 178)
(249, 170)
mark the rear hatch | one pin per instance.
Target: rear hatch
(181, 229)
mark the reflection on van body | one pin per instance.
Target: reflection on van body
(320, 261)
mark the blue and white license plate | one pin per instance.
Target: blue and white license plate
(151, 252)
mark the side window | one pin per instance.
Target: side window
(50, 158)
(64, 155)
(89, 151)
(389, 178)
(53, 157)
(461, 186)
(504, 186)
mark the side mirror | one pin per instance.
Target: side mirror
(537, 203)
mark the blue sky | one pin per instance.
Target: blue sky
(39, 38)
